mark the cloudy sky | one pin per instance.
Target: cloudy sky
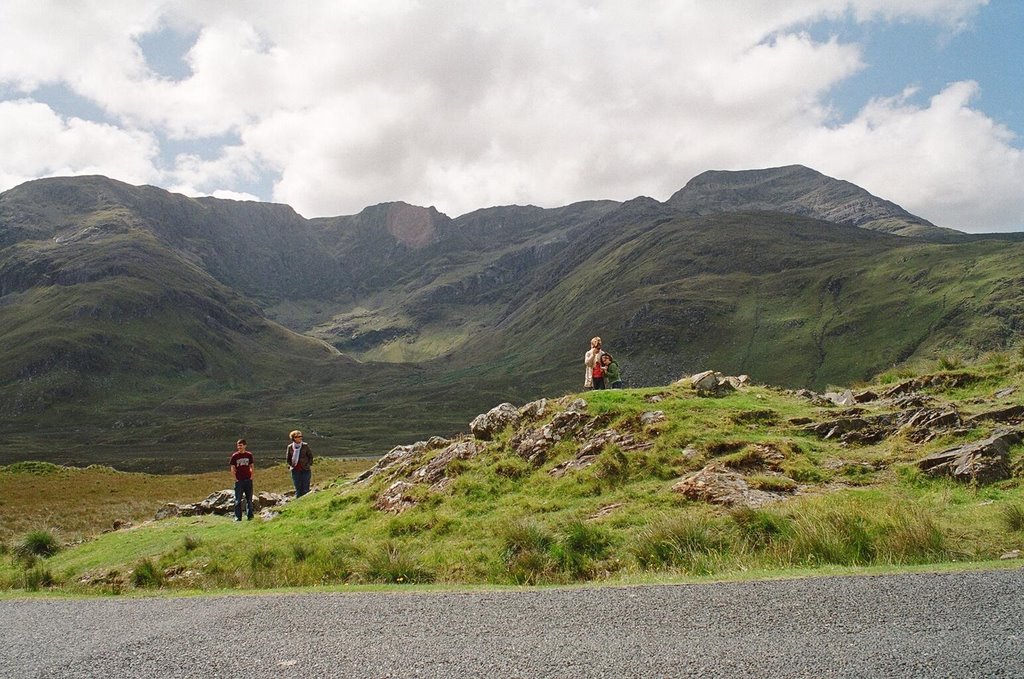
(331, 106)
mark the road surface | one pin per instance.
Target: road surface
(924, 625)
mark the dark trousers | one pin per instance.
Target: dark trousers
(301, 479)
(243, 488)
(598, 383)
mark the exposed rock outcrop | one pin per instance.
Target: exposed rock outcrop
(593, 447)
(712, 383)
(486, 425)
(222, 502)
(983, 461)
(718, 485)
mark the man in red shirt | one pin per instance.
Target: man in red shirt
(242, 468)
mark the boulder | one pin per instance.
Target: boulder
(865, 396)
(221, 503)
(1013, 414)
(841, 398)
(712, 383)
(487, 425)
(396, 459)
(576, 405)
(717, 485)
(534, 410)
(985, 461)
(705, 381)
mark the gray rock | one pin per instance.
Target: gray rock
(396, 498)
(487, 425)
(220, 503)
(652, 417)
(592, 448)
(712, 383)
(534, 410)
(984, 461)
(841, 398)
(533, 445)
(435, 471)
(717, 485)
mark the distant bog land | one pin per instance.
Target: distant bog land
(144, 329)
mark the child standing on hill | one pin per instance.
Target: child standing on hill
(611, 371)
(242, 469)
(597, 373)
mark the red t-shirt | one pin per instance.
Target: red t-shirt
(598, 370)
(242, 462)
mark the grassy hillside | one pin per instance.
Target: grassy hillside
(589, 492)
(794, 301)
(143, 329)
(93, 498)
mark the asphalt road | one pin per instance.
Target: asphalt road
(949, 625)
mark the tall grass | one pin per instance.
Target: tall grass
(692, 543)
(147, 574)
(37, 543)
(390, 562)
(1012, 516)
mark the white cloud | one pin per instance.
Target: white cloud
(37, 142)
(465, 104)
(946, 161)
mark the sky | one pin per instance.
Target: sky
(331, 106)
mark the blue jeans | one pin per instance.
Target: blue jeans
(243, 487)
(301, 479)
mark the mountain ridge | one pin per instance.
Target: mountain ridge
(117, 299)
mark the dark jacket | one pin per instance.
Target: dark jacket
(305, 456)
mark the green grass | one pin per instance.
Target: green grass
(499, 520)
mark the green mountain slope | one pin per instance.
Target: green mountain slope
(138, 326)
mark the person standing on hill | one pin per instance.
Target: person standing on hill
(612, 375)
(590, 359)
(597, 373)
(300, 460)
(243, 469)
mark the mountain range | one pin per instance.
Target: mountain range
(148, 330)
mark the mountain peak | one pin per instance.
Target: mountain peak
(411, 225)
(799, 190)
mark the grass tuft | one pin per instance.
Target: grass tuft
(1012, 516)
(526, 552)
(301, 551)
(759, 528)
(391, 563)
(37, 543)
(581, 545)
(35, 579)
(262, 558)
(146, 574)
